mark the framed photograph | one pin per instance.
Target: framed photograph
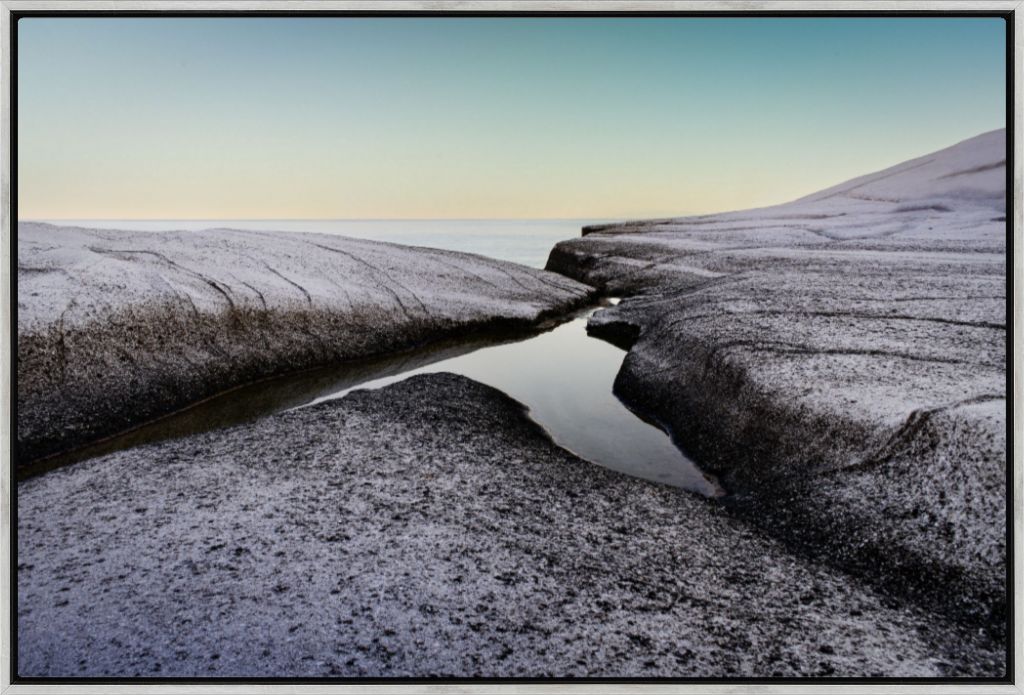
(510, 347)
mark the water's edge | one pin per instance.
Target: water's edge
(270, 394)
(561, 374)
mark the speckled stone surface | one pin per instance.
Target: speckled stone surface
(116, 328)
(428, 529)
(839, 362)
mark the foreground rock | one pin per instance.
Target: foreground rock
(116, 328)
(429, 528)
(839, 363)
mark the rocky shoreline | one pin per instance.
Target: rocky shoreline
(840, 364)
(117, 328)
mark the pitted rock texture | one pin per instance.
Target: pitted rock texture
(839, 362)
(428, 529)
(116, 328)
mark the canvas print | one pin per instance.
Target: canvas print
(510, 347)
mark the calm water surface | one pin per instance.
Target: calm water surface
(565, 377)
(521, 241)
(562, 375)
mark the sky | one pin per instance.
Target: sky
(451, 117)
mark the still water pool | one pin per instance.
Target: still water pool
(562, 375)
(565, 377)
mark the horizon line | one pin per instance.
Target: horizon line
(338, 219)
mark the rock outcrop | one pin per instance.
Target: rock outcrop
(116, 328)
(428, 529)
(839, 362)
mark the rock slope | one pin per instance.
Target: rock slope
(839, 362)
(116, 328)
(427, 529)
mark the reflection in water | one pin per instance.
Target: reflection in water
(562, 375)
(262, 398)
(565, 377)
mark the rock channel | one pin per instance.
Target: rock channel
(116, 328)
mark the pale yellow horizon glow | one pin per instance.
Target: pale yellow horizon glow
(204, 190)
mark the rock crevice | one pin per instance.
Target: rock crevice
(155, 325)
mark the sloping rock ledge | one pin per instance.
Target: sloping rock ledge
(117, 328)
(839, 362)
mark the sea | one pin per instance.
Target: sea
(525, 241)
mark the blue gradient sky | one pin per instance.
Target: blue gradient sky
(499, 117)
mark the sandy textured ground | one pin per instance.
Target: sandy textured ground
(429, 528)
(840, 363)
(115, 328)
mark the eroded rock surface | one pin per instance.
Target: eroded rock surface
(839, 362)
(429, 528)
(116, 328)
